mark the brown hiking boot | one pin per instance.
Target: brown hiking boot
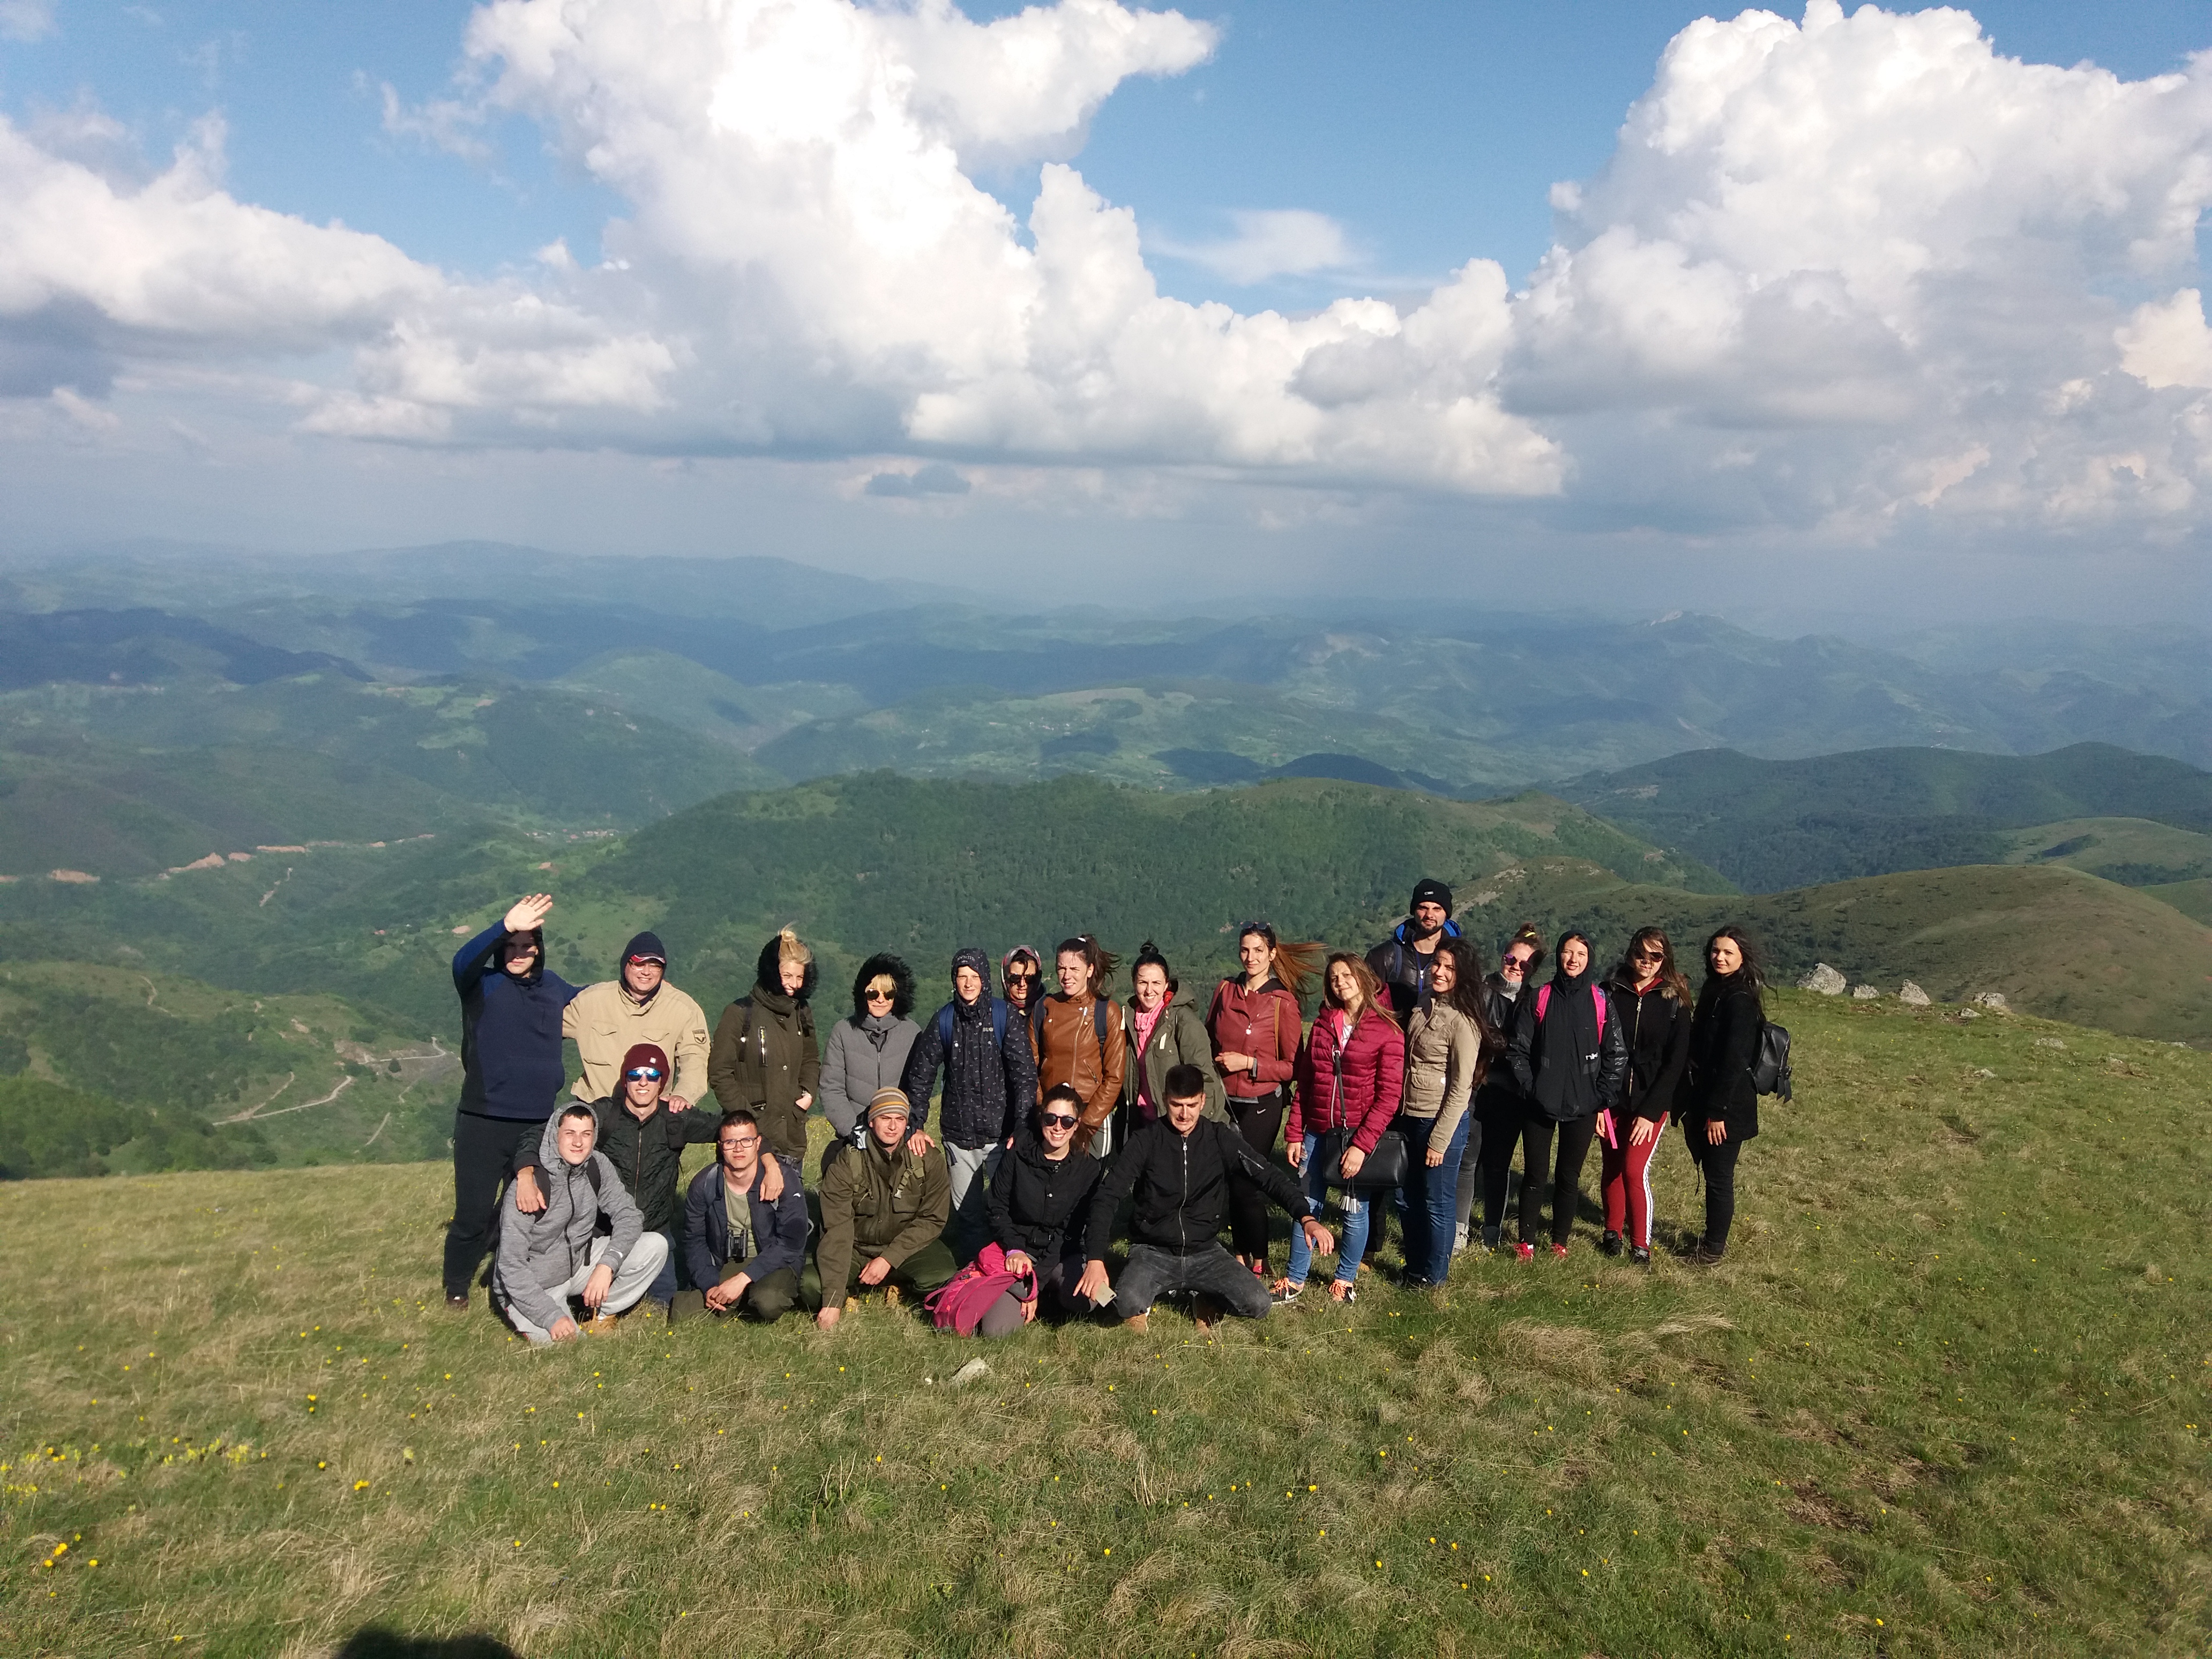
(602, 1325)
(1137, 1324)
(890, 1296)
(1208, 1314)
(852, 1304)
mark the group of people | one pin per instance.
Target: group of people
(1065, 1117)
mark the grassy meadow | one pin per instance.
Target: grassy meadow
(1946, 1396)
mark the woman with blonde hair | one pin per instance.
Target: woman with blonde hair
(1256, 1027)
(1350, 1076)
(765, 1057)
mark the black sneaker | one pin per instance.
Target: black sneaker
(458, 1303)
(1640, 1254)
(1609, 1245)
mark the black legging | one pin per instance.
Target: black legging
(1259, 1121)
(483, 1155)
(1534, 1139)
(1718, 1165)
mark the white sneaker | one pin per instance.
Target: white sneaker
(1459, 1238)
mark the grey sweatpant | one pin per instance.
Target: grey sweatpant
(639, 1269)
(971, 1169)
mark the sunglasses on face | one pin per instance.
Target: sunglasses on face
(879, 996)
(1647, 955)
(643, 1074)
(1518, 965)
(1061, 1121)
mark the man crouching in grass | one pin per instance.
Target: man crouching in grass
(745, 1245)
(1179, 1166)
(883, 1209)
(546, 1258)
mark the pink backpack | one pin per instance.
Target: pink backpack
(960, 1306)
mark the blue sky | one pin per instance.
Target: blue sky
(1432, 132)
(1710, 364)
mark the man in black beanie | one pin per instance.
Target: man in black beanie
(1401, 961)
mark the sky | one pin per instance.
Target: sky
(1840, 311)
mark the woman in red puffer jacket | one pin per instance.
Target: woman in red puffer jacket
(1350, 1077)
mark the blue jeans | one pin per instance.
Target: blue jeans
(1352, 1243)
(1431, 1198)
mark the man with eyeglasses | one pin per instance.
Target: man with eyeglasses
(643, 1140)
(745, 1248)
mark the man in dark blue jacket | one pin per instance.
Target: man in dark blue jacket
(743, 1250)
(511, 1073)
(1403, 961)
(990, 1089)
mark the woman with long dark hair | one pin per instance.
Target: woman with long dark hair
(1077, 1037)
(1652, 1001)
(1497, 1104)
(1569, 1055)
(1350, 1076)
(1256, 1026)
(1447, 1040)
(1720, 1103)
(1039, 1200)
(1164, 1031)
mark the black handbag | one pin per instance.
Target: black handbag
(1386, 1166)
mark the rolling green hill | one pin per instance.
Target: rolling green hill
(1946, 1396)
(2134, 852)
(1772, 824)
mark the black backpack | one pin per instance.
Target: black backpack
(1770, 1071)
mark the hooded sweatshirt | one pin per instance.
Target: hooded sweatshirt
(1560, 1058)
(764, 1055)
(539, 1253)
(511, 1063)
(605, 1019)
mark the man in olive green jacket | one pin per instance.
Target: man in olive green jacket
(884, 1207)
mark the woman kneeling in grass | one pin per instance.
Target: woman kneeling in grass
(1040, 1201)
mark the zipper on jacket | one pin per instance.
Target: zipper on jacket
(1183, 1223)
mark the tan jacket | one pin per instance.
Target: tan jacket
(1068, 1051)
(1442, 1050)
(607, 1021)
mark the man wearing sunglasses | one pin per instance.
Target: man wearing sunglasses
(643, 1140)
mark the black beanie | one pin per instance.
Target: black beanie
(1428, 890)
(646, 947)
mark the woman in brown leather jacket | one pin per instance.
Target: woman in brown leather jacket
(1078, 1037)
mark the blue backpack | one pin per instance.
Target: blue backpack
(999, 1008)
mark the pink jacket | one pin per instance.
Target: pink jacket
(1358, 1085)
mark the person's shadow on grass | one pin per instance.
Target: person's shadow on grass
(376, 1643)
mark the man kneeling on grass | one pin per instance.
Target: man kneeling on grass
(744, 1247)
(1178, 1166)
(884, 1207)
(558, 1253)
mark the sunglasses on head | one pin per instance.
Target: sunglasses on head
(643, 1074)
(1060, 1120)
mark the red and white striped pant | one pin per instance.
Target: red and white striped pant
(1624, 1176)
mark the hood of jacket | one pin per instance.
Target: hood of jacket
(877, 965)
(769, 982)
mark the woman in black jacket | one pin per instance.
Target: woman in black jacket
(1570, 1057)
(1497, 1106)
(1720, 1105)
(1652, 1001)
(1039, 1200)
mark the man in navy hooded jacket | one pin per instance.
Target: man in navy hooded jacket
(1402, 960)
(511, 1072)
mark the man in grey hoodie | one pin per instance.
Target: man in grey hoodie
(558, 1253)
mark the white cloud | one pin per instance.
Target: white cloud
(1268, 242)
(25, 20)
(1839, 273)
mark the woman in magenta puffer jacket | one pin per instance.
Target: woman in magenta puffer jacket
(1350, 1075)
